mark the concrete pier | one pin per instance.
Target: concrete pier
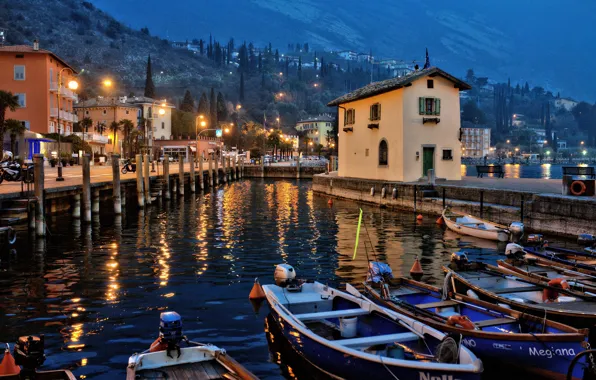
(116, 196)
(76, 206)
(201, 177)
(216, 174)
(95, 204)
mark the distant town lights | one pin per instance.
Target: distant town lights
(584, 152)
(581, 142)
(508, 141)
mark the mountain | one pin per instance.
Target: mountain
(546, 43)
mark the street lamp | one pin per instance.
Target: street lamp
(581, 143)
(584, 152)
(508, 141)
(72, 85)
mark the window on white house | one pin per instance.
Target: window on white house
(51, 127)
(349, 116)
(375, 112)
(22, 100)
(19, 72)
(429, 106)
(383, 153)
(447, 155)
(430, 83)
(163, 125)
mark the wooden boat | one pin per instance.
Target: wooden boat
(487, 283)
(470, 225)
(172, 356)
(576, 259)
(28, 356)
(496, 334)
(349, 337)
(536, 269)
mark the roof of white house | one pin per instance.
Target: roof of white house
(392, 84)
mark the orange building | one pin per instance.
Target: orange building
(32, 74)
(103, 112)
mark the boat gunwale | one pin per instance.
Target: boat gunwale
(499, 233)
(527, 276)
(573, 334)
(474, 367)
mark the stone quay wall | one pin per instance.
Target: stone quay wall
(541, 213)
(306, 172)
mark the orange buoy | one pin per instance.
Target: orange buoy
(256, 291)
(416, 270)
(330, 202)
(551, 295)
(462, 321)
(419, 217)
(158, 345)
(440, 221)
(8, 365)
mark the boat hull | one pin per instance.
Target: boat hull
(343, 366)
(497, 234)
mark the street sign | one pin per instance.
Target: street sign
(218, 133)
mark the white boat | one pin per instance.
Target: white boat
(172, 356)
(349, 337)
(472, 226)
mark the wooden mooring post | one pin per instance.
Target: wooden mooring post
(147, 180)
(298, 166)
(192, 175)
(262, 166)
(166, 176)
(223, 169)
(40, 219)
(140, 194)
(216, 174)
(210, 179)
(181, 175)
(116, 194)
(201, 175)
(86, 188)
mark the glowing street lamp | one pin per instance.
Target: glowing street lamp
(238, 106)
(72, 85)
(581, 143)
(584, 152)
(508, 141)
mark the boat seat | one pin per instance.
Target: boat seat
(494, 322)
(379, 339)
(515, 290)
(331, 314)
(437, 304)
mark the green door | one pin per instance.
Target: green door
(428, 160)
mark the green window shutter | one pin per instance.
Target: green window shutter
(437, 107)
(379, 116)
(345, 116)
(421, 105)
(370, 116)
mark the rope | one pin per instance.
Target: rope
(387, 368)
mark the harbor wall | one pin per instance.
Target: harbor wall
(541, 213)
(306, 172)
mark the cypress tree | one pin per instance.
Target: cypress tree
(188, 103)
(222, 111)
(241, 95)
(203, 105)
(202, 46)
(260, 64)
(213, 110)
(276, 56)
(149, 86)
(287, 66)
(300, 68)
(315, 63)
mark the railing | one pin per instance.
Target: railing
(53, 112)
(94, 137)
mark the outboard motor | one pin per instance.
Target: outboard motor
(517, 231)
(285, 277)
(29, 353)
(459, 260)
(535, 240)
(170, 331)
(514, 251)
(586, 240)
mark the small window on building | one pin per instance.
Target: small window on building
(447, 155)
(429, 106)
(349, 116)
(19, 72)
(105, 112)
(375, 112)
(22, 100)
(366, 152)
(127, 112)
(163, 137)
(163, 125)
(383, 153)
(430, 83)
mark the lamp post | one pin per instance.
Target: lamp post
(73, 85)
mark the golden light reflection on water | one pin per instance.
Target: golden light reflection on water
(113, 274)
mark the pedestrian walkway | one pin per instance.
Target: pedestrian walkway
(532, 185)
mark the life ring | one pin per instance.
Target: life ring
(11, 235)
(551, 295)
(462, 321)
(573, 188)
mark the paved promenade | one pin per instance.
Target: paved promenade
(533, 185)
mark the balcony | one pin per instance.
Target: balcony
(93, 137)
(64, 91)
(64, 115)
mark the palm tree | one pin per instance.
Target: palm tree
(136, 140)
(114, 128)
(7, 101)
(100, 128)
(15, 128)
(85, 124)
(127, 127)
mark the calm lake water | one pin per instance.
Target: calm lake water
(546, 171)
(96, 291)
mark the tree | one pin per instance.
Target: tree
(8, 101)
(241, 95)
(127, 127)
(114, 128)
(213, 110)
(14, 128)
(315, 63)
(149, 86)
(203, 105)
(300, 68)
(585, 115)
(473, 114)
(202, 47)
(222, 111)
(188, 103)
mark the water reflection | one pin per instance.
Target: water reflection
(95, 290)
(545, 171)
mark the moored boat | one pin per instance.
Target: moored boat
(496, 334)
(576, 259)
(347, 336)
(470, 225)
(488, 283)
(175, 357)
(28, 356)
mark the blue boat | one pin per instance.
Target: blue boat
(496, 334)
(349, 337)
(577, 259)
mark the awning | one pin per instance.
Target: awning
(193, 149)
(37, 137)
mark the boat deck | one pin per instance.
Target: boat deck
(199, 371)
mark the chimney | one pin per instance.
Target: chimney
(35, 45)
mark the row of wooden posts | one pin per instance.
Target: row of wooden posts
(231, 168)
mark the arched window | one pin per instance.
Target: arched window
(383, 152)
